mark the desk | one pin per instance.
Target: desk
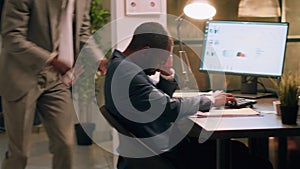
(266, 125)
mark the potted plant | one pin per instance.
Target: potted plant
(287, 90)
(84, 92)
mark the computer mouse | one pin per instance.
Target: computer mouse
(230, 104)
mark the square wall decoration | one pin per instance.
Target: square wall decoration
(143, 7)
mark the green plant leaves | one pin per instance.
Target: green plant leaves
(287, 89)
(99, 16)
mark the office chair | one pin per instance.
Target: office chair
(156, 161)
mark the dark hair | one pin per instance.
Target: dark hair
(150, 34)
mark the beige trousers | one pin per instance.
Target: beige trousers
(54, 103)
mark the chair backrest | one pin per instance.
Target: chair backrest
(113, 122)
(156, 161)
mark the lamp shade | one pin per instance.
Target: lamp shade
(199, 9)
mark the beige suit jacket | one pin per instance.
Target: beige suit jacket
(30, 35)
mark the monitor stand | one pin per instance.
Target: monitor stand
(249, 89)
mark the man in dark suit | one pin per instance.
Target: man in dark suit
(41, 41)
(149, 111)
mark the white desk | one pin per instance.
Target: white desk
(266, 125)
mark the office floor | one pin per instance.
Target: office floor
(94, 157)
(86, 157)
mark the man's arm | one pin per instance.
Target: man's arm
(142, 93)
(15, 21)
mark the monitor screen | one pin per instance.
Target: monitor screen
(247, 48)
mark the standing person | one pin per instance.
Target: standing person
(41, 40)
(150, 112)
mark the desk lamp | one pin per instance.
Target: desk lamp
(195, 9)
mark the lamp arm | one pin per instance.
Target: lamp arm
(179, 22)
(182, 52)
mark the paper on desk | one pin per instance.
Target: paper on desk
(191, 94)
(227, 112)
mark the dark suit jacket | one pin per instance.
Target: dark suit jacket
(146, 109)
(30, 35)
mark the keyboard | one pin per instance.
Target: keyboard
(241, 103)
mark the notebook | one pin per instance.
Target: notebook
(227, 112)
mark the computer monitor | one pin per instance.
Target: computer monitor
(249, 49)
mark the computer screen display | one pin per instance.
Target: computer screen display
(246, 48)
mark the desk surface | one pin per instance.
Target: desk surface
(266, 125)
(250, 126)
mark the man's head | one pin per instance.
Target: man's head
(150, 46)
(149, 34)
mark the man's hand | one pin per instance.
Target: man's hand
(103, 66)
(166, 69)
(71, 76)
(220, 98)
(230, 97)
(60, 66)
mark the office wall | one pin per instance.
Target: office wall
(292, 57)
